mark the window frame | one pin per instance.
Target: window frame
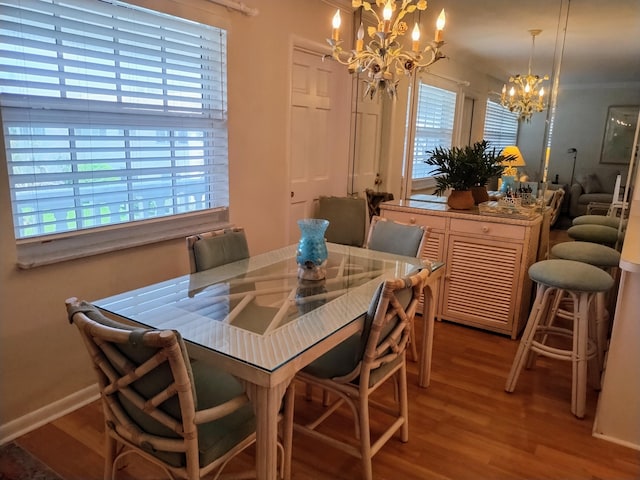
(47, 249)
(422, 183)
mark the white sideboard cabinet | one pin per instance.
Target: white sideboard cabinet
(486, 282)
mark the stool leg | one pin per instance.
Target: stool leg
(597, 340)
(539, 310)
(601, 326)
(555, 300)
(579, 355)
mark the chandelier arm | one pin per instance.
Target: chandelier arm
(369, 8)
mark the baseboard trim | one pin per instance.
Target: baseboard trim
(49, 413)
(617, 441)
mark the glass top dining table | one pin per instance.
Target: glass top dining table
(257, 310)
(256, 319)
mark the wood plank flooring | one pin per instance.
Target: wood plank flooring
(464, 426)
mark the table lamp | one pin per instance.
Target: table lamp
(510, 172)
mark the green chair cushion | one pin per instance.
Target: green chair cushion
(605, 220)
(594, 233)
(396, 238)
(347, 219)
(570, 275)
(213, 387)
(344, 357)
(587, 252)
(219, 250)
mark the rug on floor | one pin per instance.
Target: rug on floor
(18, 464)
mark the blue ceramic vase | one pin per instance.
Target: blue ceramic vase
(312, 249)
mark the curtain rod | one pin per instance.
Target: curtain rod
(238, 6)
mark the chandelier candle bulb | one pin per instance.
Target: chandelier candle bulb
(440, 26)
(415, 36)
(360, 40)
(336, 26)
(386, 16)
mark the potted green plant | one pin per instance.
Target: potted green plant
(489, 163)
(463, 168)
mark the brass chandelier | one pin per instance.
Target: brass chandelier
(526, 95)
(383, 59)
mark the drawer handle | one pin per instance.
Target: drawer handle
(412, 220)
(485, 229)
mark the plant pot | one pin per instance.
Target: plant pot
(480, 194)
(460, 200)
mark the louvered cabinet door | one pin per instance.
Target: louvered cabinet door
(481, 285)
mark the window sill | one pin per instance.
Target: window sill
(59, 248)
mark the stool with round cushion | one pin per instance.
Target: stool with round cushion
(582, 282)
(601, 256)
(595, 234)
(606, 220)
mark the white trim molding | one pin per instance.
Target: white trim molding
(237, 6)
(29, 422)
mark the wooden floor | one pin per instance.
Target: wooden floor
(464, 426)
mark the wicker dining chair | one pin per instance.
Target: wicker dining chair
(212, 249)
(390, 236)
(353, 370)
(188, 418)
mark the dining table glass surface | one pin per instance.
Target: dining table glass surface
(257, 310)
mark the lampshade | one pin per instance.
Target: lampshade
(513, 150)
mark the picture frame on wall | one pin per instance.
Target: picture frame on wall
(619, 130)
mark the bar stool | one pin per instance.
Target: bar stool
(595, 233)
(603, 257)
(606, 220)
(581, 282)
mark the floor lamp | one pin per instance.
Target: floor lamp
(573, 168)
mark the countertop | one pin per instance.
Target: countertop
(440, 208)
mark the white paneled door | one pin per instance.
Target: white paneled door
(319, 136)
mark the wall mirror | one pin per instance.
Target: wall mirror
(492, 37)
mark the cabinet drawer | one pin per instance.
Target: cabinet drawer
(437, 223)
(491, 229)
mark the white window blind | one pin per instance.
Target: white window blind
(434, 125)
(112, 114)
(500, 126)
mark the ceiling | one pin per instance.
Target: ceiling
(602, 42)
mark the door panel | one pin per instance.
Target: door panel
(318, 135)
